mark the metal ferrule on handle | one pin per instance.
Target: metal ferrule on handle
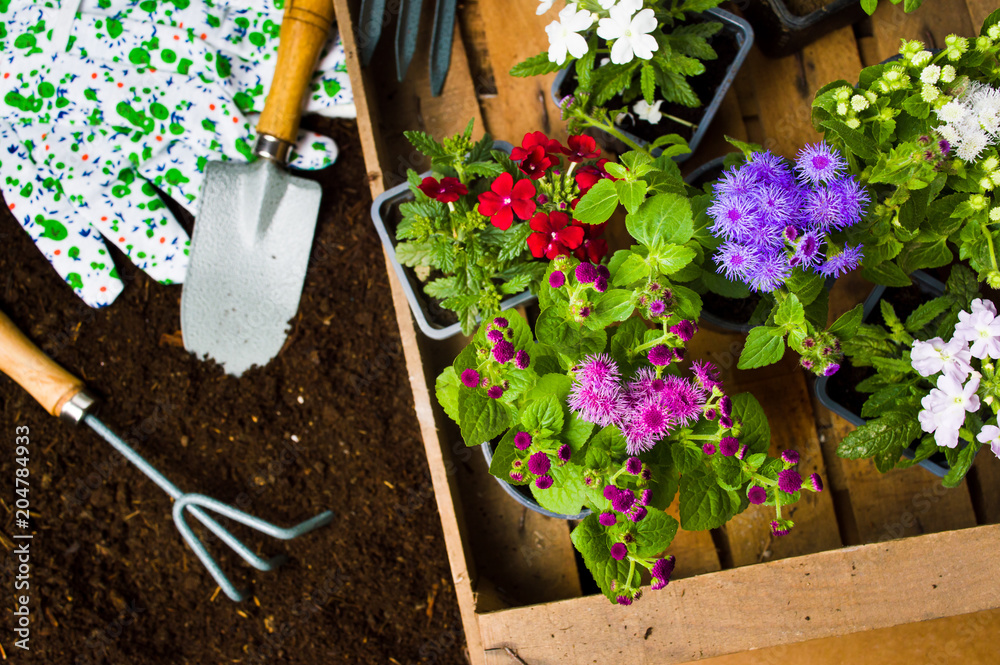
(273, 148)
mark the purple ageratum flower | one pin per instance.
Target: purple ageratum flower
(586, 273)
(816, 482)
(831, 369)
(818, 163)
(633, 465)
(842, 263)
(646, 497)
(470, 378)
(757, 495)
(623, 500)
(726, 406)
(564, 453)
(601, 284)
(661, 572)
(685, 330)
(725, 422)
(711, 413)
(522, 359)
(683, 399)
(767, 168)
(494, 392)
(736, 261)
(543, 482)
(607, 519)
(706, 374)
(789, 481)
(735, 218)
(516, 476)
(597, 371)
(624, 600)
(618, 551)
(790, 233)
(557, 279)
(648, 423)
(708, 448)
(729, 445)
(660, 355)
(735, 181)
(854, 201)
(600, 406)
(501, 322)
(778, 529)
(944, 147)
(637, 513)
(806, 251)
(522, 440)
(776, 205)
(495, 336)
(824, 208)
(769, 273)
(610, 492)
(503, 352)
(656, 308)
(539, 464)
(790, 456)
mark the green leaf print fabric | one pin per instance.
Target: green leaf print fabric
(104, 102)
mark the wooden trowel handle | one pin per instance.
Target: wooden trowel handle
(304, 31)
(21, 360)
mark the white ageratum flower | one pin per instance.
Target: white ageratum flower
(995, 214)
(929, 93)
(981, 328)
(990, 434)
(650, 114)
(563, 37)
(630, 33)
(947, 74)
(922, 58)
(971, 120)
(930, 75)
(543, 6)
(945, 407)
(859, 103)
(841, 108)
(936, 355)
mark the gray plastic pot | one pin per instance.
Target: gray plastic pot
(733, 26)
(783, 33)
(522, 494)
(411, 285)
(933, 288)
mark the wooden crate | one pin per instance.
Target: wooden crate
(889, 569)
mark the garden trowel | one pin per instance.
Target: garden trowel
(254, 232)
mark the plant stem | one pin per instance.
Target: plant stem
(989, 241)
(611, 129)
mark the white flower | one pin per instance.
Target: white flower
(945, 407)
(853, 123)
(630, 33)
(948, 73)
(995, 214)
(990, 434)
(543, 6)
(994, 31)
(842, 108)
(935, 355)
(972, 144)
(563, 35)
(931, 74)
(951, 112)
(607, 4)
(982, 328)
(929, 93)
(859, 103)
(650, 114)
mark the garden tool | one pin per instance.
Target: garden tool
(63, 395)
(254, 233)
(122, 103)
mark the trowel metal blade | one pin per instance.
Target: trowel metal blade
(249, 254)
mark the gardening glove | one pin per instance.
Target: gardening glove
(88, 129)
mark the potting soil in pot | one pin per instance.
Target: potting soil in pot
(328, 424)
(734, 310)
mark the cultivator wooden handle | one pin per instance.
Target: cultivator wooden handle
(304, 30)
(50, 385)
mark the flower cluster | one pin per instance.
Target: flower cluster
(971, 121)
(546, 195)
(588, 277)
(772, 219)
(977, 335)
(542, 456)
(626, 28)
(496, 357)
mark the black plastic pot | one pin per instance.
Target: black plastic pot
(413, 287)
(522, 494)
(732, 26)
(781, 33)
(933, 288)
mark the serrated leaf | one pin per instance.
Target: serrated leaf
(755, 431)
(536, 65)
(568, 493)
(662, 218)
(631, 194)
(591, 540)
(482, 418)
(671, 258)
(648, 83)
(654, 534)
(703, 503)
(926, 313)
(598, 204)
(886, 435)
(846, 325)
(446, 388)
(634, 268)
(765, 346)
(884, 399)
(790, 313)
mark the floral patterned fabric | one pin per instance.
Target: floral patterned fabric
(101, 100)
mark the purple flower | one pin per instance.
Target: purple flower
(543, 482)
(516, 476)
(725, 422)
(757, 495)
(684, 400)
(685, 330)
(734, 217)
(607, 519)
(610, 492)
(768, 168)
(598, 371)
(633, 465)
(711, 413)
(708, 448)
(944, 146)
(557, 279)
(776, 205)
(789, 481)
(661, 572)
(494, 392)
(769, 273)
(656, 308)
(618, 552)
(819, 163)
(501, 322)
(854, 201)
(503, 352)
(586, 273)
(539, 464)
(596, 405)
(623, 500)
(646, 497)
(522, 440)
(637, 513)
(564, 453)
(495, 336)
(791, 233)
(736, 261)
(706, 373)
(726, 405)
(806, 363)
(522, 359)
(728, 446)
(660, 355)
(648, 423)
(778, 529)
(601, 284)
(470, 378)
(824, 208)
(806, 251)
(790, 456)
(831, 369)
(845, 262)
(816, 482)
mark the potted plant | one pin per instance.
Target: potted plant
(931, 378)
(456, 235)
(785, 26)
(595, 406)
(663, 66)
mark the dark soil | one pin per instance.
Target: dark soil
(805, 7)
(328, 424)
(732, 310)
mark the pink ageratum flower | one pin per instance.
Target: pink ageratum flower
(645, 425)
(661, 572)
(447, 190)
(470, 378)
(554, 235)
(506, 199)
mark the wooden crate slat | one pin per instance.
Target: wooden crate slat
(930, 24)
(985, 489)
(728, 122)
(841, 592)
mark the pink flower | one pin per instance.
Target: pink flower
(553, 235)
(982, 328)
(506, 199)
(990, 434)
(935, 355)
(446, 191)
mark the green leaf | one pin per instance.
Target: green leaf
(536, 65)
(568, 493)
(426, 144)
(855, 140)
(481, 418)
(765, 346)
(717, 283)
(806, 286)
(869, 6)
(671, 258)
(446, 388)
(648, 83)
(703, 504)
(884, 399)
(660, 219)
(755, 431)
(634, 268)
(631, 194)
(846, 326)
(591, 540)
(598, 204)
(543, 413)
(556, 385)
(790, 314)
(503, 459)
(926, 313)
(654, 534)
(610, 307)
(886, 436)
(576, 432)
(887, 273)
(961, 466)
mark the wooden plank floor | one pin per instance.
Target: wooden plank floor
(508, 558)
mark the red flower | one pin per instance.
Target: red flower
(537, 154)
(594, 247)
(446, 191)
(553, 235)
(587, 176)
(507, 199)
(582, 147)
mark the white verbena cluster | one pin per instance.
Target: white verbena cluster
(971, 120)
(956, 392)
(627, 27)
